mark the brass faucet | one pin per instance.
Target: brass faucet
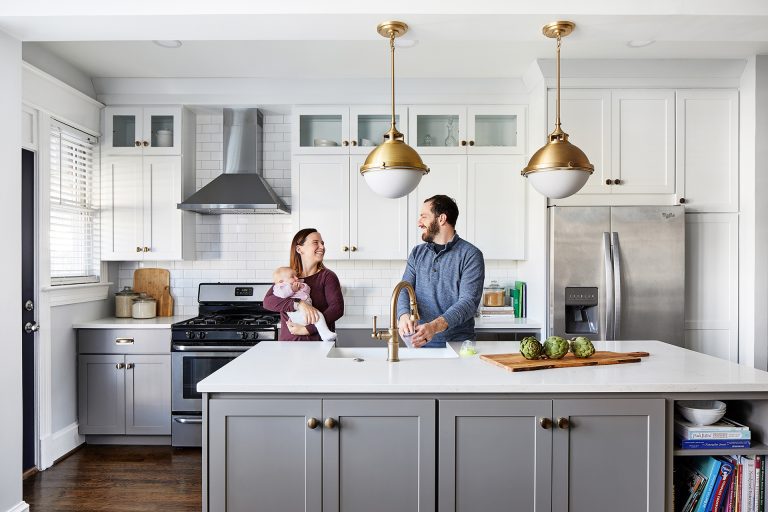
(391, 336)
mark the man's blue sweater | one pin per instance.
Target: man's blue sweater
(448, 283)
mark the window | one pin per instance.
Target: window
(74, 212)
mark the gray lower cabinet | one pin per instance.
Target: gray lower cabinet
(568, 455)
(371, 455)
(124, 394)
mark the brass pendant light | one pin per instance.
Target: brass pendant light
(393, 169)
(559, 169)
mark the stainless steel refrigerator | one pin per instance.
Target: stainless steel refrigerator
(617, 272)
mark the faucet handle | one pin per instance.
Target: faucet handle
(375, 332)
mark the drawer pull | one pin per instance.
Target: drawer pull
(120, 366)
(546, 423)
(129, 366)
(563, 423)
(187, 421)
(124, 341)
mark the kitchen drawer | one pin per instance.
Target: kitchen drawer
(124, 341)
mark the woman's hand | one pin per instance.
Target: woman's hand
(311, 314)
(296, 329)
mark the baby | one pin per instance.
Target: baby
(287, 285)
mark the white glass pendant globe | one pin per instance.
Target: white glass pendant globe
(391, 182)
(559, 182)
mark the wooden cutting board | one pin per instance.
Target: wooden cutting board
(517, 363)
(153, 282)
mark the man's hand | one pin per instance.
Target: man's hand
(311, 314)
(405, 325)
(296, 329)
(425, 332)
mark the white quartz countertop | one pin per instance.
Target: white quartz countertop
(366, 322)
(302, 367)
(159, 322)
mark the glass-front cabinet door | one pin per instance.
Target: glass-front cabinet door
(368, 124)
(137, 130)
(321, 130)
(162, 131)
(122, 130)
(438, 129)
(496, 129)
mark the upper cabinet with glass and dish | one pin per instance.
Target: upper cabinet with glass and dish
(142, 130)
(342, 130)
(458, 129)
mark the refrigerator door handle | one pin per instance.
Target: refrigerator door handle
(616, 255)
(609, 310)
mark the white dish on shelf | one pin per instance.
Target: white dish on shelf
(701, 412)
(324, 143)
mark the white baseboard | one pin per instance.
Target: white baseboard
(59, 444)
(21, 507)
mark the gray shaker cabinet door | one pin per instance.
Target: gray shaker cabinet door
(494, 456)
(610, 456)
(101, 394)
(148, 395)
(380, 457)
(263, 457)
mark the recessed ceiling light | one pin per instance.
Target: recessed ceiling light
(640, 43)
(168, 44)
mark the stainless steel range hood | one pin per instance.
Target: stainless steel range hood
(241, 188)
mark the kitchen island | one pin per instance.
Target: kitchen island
(289, 428)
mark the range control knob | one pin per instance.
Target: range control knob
(201, 335)
(189, 335)
(243, 335)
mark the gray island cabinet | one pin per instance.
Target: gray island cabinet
(289, 429)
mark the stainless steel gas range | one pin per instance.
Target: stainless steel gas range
(231, 320)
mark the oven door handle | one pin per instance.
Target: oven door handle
(185, 421)
(209, 348)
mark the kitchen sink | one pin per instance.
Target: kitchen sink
(380, 353)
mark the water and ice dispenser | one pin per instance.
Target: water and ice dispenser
(581, 315)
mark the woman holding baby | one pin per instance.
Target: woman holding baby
(307, 295)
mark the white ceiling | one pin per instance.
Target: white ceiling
(482, 38)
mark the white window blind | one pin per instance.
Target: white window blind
(74, 223)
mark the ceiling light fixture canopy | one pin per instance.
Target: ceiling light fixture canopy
(393, 169)
(559, 169)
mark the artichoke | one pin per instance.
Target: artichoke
(581, 346)
(530, 348)
(555, 347)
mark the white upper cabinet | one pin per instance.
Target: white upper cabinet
(142, 130)
(643, 153)
(458, 129)
(342, 130)
(707, 149)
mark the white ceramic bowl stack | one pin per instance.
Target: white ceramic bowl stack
(701, 412)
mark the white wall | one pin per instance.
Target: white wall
(43, 59)
(249, 247)
(10, 275)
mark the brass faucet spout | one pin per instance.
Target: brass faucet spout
(392, 337)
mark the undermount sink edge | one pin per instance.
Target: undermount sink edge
(380, 353)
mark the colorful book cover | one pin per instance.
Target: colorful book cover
(711, 444)
(720, 487)
(708, 466)
(723, 429)
(516, 302)
(692, 486)
(761, 500)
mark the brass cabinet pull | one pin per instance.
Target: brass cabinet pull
(138, 143)
(120, 366)
(354, 143)
(146, 249)
(129, 366)
(330, 423)
(471, 143)
(563, 423)
(345, 143)
(138, 249)
(344, 248)
(463, 143)
(617, 181)
(682, 200)
(145, 143)
(124, 341)
(609, 182)
(353, 248)
(545, 423)
(313, 423)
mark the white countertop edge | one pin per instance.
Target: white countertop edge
(159, 322)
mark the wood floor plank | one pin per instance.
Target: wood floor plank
(119, 479)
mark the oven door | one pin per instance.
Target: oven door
(189, 368)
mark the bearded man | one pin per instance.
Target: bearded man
(447, 273)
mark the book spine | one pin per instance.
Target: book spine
(749, 504)
(714, 469)
(761, 500)
(694, 436)
(714, 443)
(722, 485)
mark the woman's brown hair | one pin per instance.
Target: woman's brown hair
(298, 239)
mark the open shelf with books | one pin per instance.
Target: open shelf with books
(755, 449)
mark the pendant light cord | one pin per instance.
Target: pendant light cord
(557, 120)
(392, 71)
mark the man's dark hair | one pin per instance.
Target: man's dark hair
(444, 204)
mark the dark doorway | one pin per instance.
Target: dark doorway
(28, 325)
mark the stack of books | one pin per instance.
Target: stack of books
(721, 484)
(518, 304)
(726, 433)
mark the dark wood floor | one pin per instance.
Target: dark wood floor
(119, 478)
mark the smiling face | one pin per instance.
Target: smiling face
(312, 250)
(429, 223)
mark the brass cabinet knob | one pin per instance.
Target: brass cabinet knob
(545, 423)
(146, 249)
(682, 200)
(354, 143)
(330, 423)
(120, 366)
(138, 249)
(313, 423)
(353, 248)
(145, 143)
(344, 248)
(617, 181)
(463, 143)
(138, 143)
(345, 143)
(563, 423)
(129, 366)
(609, 182)
(471, 143)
